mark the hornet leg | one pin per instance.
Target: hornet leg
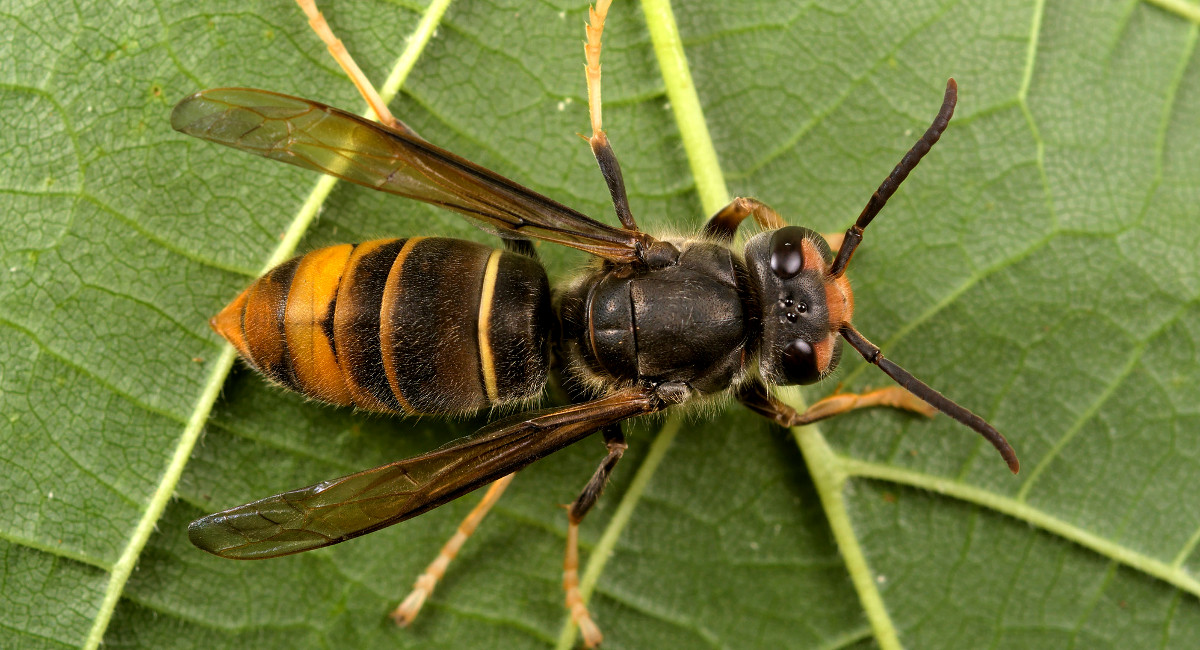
(758, 398)
(427, 581)
(614, 439)
(725, 222)
(601, 148)
(340, 54)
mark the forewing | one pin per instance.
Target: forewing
(344, 508)
(325, 139)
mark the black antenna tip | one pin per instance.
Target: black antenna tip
(871, 353)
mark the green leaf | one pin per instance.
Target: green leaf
(1039, 267)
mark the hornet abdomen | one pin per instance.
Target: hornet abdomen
(419, 325)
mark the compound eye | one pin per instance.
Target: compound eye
(800, 363)
(787, 254)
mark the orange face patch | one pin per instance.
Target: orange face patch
(839, 299)
(813, 259)
(823, 350)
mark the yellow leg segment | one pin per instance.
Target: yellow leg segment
(340, 54)
(595, 28)
(425, 584)
(893, 396)
(579, 612)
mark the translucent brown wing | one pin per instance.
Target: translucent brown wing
(344, 508)
(318, 137)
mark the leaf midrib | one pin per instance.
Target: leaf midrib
(829, 478)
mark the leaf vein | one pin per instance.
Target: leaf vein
(83, 370)
(794, 139)
(67, 554)
(35, 635)
(1023, 511)
(1182, 8)
(1160, 141)
(1138, 350)
(649, 611)
(162, 242)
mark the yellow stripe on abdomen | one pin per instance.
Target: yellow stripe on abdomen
(487, 359)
